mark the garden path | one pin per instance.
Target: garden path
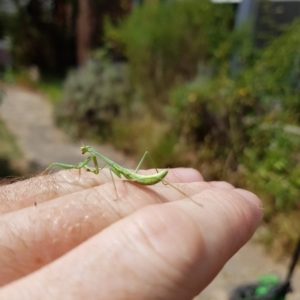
(29, 117)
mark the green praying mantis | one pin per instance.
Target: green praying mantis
(117, 169)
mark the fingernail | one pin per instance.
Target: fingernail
(250, 197)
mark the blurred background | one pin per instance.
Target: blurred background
(212, 85)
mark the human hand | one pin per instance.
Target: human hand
(64, 237)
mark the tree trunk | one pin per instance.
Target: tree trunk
(84, 31)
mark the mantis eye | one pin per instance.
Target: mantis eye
(84, 149)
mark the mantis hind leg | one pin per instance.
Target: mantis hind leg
(163, 181)
(141, 161)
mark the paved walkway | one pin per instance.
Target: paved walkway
(29, 117)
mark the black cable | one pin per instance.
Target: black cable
(278, 291)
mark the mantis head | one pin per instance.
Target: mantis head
(85, 149)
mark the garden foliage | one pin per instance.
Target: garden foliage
(165, 42)
(198, 94)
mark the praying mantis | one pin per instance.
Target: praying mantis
(117, 169)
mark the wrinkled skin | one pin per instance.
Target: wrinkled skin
(64, 237)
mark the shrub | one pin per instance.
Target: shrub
(250, 125)
(93, 96)
(166, 41)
